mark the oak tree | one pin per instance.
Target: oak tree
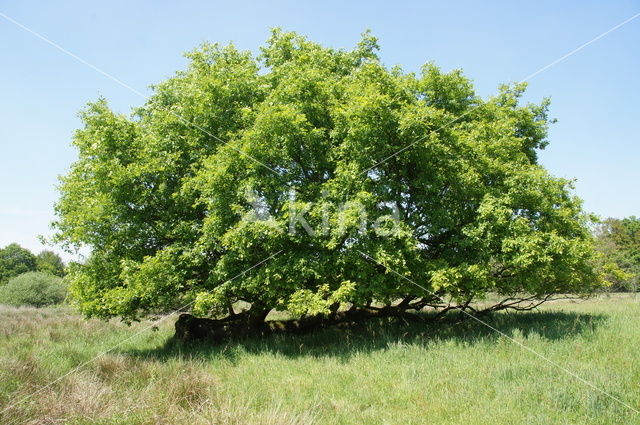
(322, 156)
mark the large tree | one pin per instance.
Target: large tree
(322, 156)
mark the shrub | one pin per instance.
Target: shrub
(34, 289)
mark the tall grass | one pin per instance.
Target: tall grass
(383, 372)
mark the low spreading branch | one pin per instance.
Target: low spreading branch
(249, 323)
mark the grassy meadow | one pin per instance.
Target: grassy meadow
(381, 372)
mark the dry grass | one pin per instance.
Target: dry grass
(40, 345)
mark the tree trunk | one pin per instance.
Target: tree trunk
(190, 328)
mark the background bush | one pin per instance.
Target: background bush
(34, 289)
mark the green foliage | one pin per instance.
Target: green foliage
(204, 180)
(619, 242)
(33, 289)
(15, 260)
(50, 262)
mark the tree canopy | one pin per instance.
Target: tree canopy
(317, 155)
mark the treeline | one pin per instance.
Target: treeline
(30, 279)
(16, 260)
(619, 242)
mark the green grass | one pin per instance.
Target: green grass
(383, 372)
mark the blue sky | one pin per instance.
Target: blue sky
(594, 92)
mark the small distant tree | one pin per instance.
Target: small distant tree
(619, 242)
(239, 157)
(15, 260)
(50, 262)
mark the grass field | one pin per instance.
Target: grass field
(383, 372)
